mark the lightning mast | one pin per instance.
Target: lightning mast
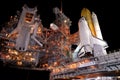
(61, 7)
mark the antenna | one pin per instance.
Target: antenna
(61, 7)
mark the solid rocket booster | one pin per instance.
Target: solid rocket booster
(98, 32)
(96, 26)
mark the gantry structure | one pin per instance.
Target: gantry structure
(26, 43)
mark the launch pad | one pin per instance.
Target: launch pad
(27, 44)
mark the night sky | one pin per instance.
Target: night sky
(108, 14)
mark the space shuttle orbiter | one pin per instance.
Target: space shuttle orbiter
(91, 40)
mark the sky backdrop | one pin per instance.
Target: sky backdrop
(106, 11)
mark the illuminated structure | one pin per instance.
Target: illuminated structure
(21, 42)
(27, 43)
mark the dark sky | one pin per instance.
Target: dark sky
(107, 13)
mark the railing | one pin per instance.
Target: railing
(109, 62)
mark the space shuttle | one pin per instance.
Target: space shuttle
(91, 40)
